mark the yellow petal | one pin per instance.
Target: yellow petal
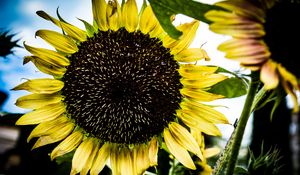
(141, 158)
(157, 32)
(82, 154)
(189, 32)
(148, 21)
(210, 152)
(71, 30)
(115, 160)
(199, 95)
(251, 30)
(185, 138)
(130, 15)
(191, 55)
(195, 72)
(126, 162)
(113, 14)
(224, 17)
(41, 86)
(101, 159)
(68, 145)
(34, 101)
(288, 76)
(178, 151)
(198, 123)
(153, 151)
(58, 41)
(99, 14)
(60, 134)
(204, 111)
(203, 81)
(42, 114)
(46, 67)
(269, 76)
(48, 56)
(244, 9)
(91, 159)
(48, 127)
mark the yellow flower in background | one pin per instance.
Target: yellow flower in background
(264, 33)
(120, 90)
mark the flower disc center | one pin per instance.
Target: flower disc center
(122, 87)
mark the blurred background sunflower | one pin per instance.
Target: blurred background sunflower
(263, 38)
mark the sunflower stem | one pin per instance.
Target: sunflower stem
(240, 128)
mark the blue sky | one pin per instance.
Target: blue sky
(20, 18)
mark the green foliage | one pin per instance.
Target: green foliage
(265, 164)
(235, 86)
(89, 28)
(165, 9)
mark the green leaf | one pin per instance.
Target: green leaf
(230, 88)
(164, 9)
(241, 170)
(65, 158)
(89, 28)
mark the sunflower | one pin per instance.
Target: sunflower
(261, 32)
(120, 90)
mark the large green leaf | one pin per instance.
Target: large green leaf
(164, 9)
(231, 87)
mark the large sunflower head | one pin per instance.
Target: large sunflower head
(120, 90)
(264, 33)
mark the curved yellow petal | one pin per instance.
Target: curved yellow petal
(210, 152)
(67, 145)
(204, 111)
(185, 138)
(195, 72)
(290, 84)
(99, 14)
(198, 94)
(86, 168)
(148, 21)
(191, 55)
(46, 67)
(56, 136)
(126, 162)
(189, 32)
(48, 127)
(203, 81)
(60, 42)
(42, 114)
(115, 160)
(130, 15)
(244, 8)
(41, 86)
(34, 101)
(101, 159)
(251, 30)
(269, 76)
(71, 30)
(82, 154)
(224, 17)
(141, 158)
(48, 56)
(197, 123)
(113, 14)
(178, 151)
(153, 151)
